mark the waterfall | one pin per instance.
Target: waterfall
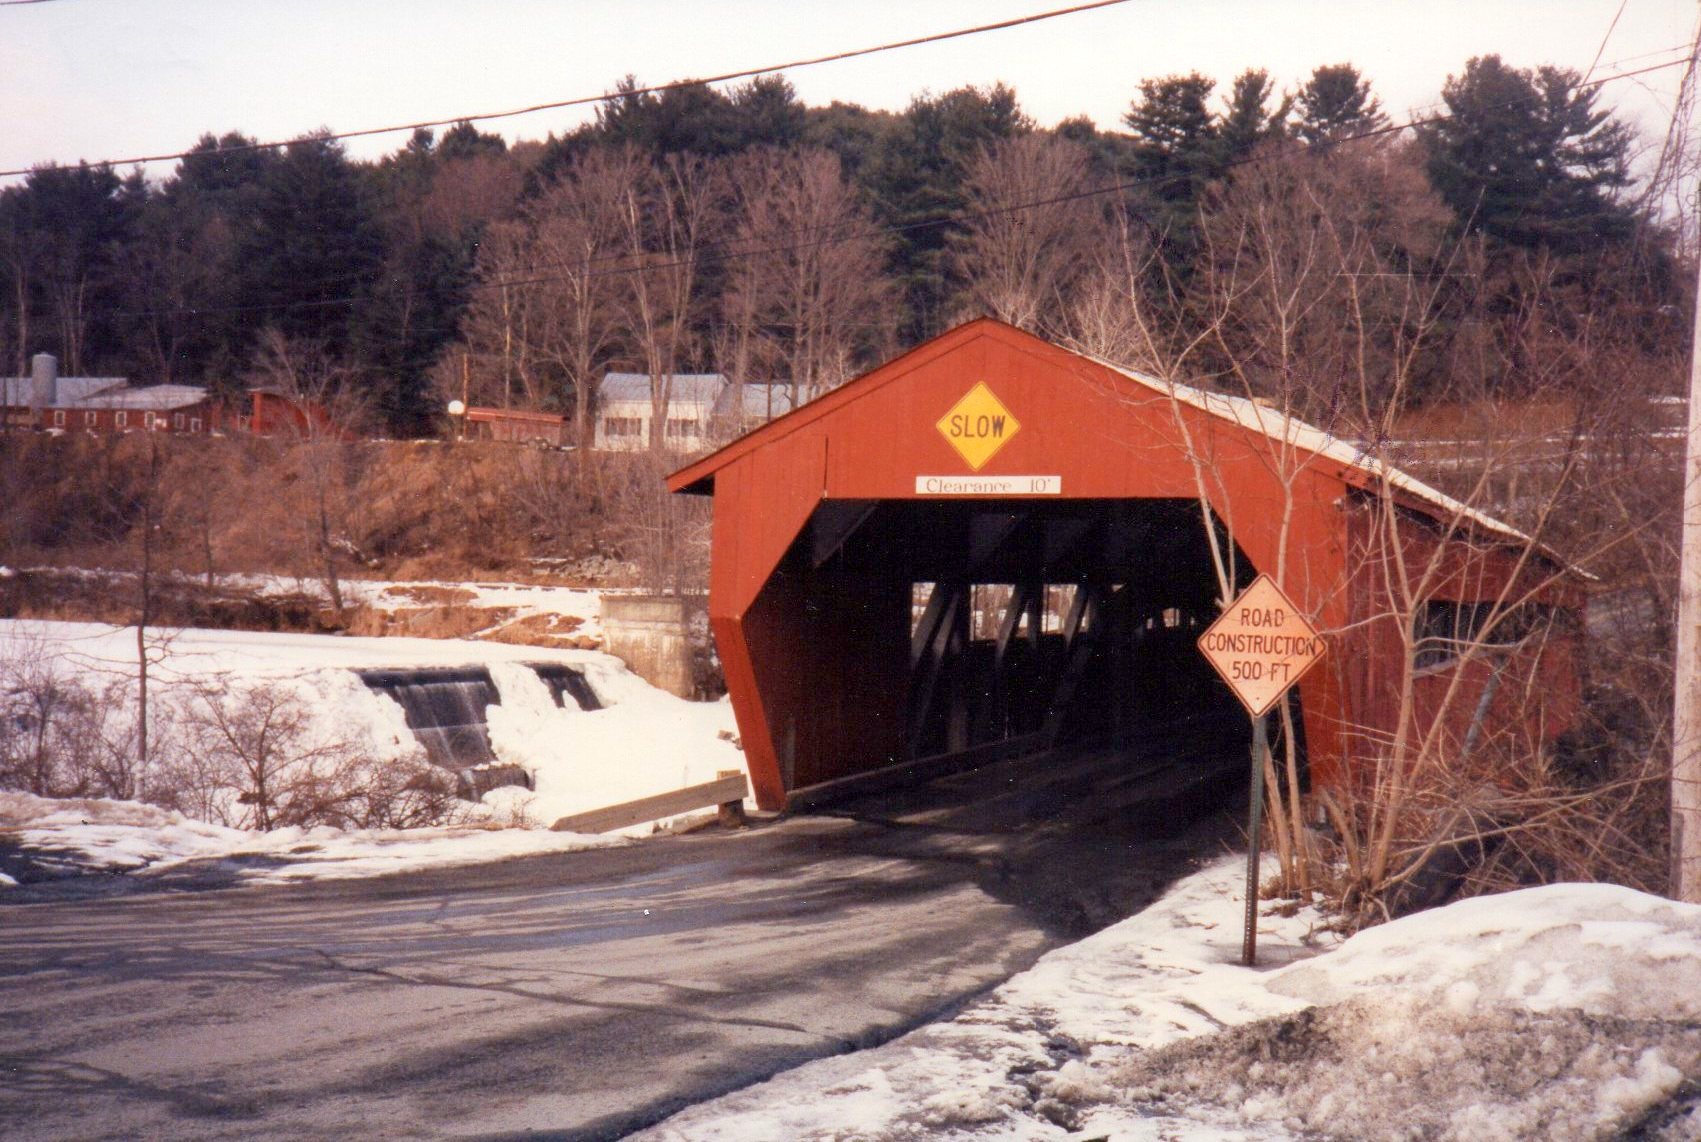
(445, 708)
(567, 682)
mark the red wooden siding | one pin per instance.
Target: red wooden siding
(816, 665)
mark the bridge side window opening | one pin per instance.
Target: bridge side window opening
(988, 603)
(1059, 602)
(681, 426)
(920, 594)
(1444, 632)
(623, 426)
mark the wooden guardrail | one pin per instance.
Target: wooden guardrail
(727, 792)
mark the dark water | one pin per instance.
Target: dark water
(446, 709)
(567, 682)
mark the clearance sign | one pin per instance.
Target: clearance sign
(1261, 645)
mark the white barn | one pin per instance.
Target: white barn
(624, 411)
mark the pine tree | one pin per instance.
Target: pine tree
(1526, 158)
(1249, 119)
(1336, 103)
(1175, 138)
(312, 248)
(917, 183)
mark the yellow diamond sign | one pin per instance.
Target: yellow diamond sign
(978, 426)
(1261, 645)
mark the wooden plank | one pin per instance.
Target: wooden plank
(718, 792)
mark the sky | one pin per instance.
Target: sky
(111, 79)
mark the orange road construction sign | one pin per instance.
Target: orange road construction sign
(1261, 645)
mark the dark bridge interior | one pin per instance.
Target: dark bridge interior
(981, 629)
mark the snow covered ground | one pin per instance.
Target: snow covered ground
(132, 838)
(565, 616)
(1565, 1012)
(643, 742)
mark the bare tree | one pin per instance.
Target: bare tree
(1321, 283)
(255, 757)
(1309, 307)
(537, 333)
(1019, 263)
(669, 215)
(321, 388)
(42, 716)
(576, 233)
(807, 300)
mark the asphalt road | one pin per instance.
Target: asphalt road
(576, 996)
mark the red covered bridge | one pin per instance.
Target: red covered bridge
(992, 545)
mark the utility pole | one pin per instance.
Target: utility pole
(1686, 719)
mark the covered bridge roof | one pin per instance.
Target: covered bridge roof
(1343, 459)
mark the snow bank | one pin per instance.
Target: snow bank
(129, 837)
(1568, 1012)
(643, 741)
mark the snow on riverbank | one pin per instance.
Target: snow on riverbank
(1566, 1012)
(643, 742)
(128, 837)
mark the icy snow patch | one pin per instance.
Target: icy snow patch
(127, 836)
(1566, 1012)
(644, 741)
(1584, 947)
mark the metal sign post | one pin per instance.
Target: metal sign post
(1260, 645)
(1255, 829)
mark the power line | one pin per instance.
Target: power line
(584, 100)
(609, 264)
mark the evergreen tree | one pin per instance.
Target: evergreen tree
(768, 113)
(1336, 103)
(918, 187)
(858, 136)
(312, 250)
(1527, 158)
(193, 282)
(1175, 150)
(465, 141)
(74, 223)
(1249, 119)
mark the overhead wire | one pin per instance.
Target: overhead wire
(610, 264)
(606, 97)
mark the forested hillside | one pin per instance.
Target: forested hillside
(1295, 243)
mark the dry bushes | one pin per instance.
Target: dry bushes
(319, 510)
(254, 757)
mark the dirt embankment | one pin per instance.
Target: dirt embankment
(380, 509)
(71, 595)
(413, 610)
(82, 515)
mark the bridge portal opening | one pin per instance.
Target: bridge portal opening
(973, 630)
